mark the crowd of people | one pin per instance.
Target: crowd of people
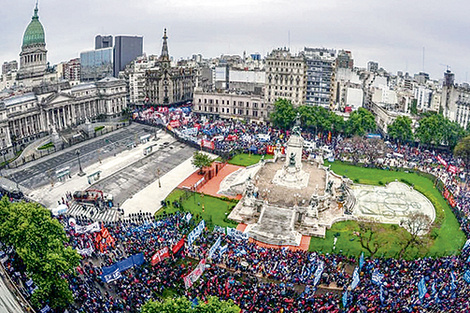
(262, 279)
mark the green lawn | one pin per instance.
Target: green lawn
(46, 146)
(449, 238)
(215, 209)
(97, 129)
(245, 159)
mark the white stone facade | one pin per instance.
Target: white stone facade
(286, 77)
(231, 105)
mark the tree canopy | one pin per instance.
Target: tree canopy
(284, 114)
(183, 305)
(201, 160)
(39, 240)
(400, 129)
(435, 129)
(360, 122)
(462, 150)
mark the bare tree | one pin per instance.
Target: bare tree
(418, 225)
(372, 235)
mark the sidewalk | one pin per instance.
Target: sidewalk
(149, 198)
(48, 195)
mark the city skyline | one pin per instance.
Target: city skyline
(394, 34)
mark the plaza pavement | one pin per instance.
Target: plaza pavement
(148, 199)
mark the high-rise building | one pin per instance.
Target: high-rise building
(96, 64)
(126, 50)
(285, 77)
(102, 42)
(33, 56)
(71, 70)
(320, 75)
(455, 100)
(344, 60)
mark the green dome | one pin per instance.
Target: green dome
(34, 33)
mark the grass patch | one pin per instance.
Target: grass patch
(245, 159)
(46, 146)
(215, 209)
(98, 128)
(449, 239)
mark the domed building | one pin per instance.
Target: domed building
(33, 56)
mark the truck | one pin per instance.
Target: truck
(95, 197)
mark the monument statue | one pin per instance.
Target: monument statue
(292, 159)
(296, 129)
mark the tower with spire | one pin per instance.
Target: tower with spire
(165, 57)
(33, 56)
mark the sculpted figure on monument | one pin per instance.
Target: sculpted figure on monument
(292, 159)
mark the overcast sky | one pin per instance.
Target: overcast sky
(392, 33)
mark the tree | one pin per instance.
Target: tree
(462, 150)
(284, 114)
(360, 122)
(435, 129)
(201, 160)
(372, 235)
(400, 129)
(183, 305)
(39, 241)
(418, 225)
(452, 133)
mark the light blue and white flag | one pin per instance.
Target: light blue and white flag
(345, 299)
(453, 286)
(466, 245)
(219, 229)
(377, 277)
(188, 217)
(196, 232)
(422, 288)
(214, 247)
(223, 249)
(466, 276)
(382, 299)
(356, 279)
(318, 272)
(361, 261)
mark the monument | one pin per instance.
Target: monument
(288, 197)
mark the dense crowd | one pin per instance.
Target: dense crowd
(263, 279)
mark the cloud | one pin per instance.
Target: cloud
(392, 33)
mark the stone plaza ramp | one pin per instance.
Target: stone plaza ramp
(276, 227)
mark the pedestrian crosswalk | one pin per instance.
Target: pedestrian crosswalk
(91, 212)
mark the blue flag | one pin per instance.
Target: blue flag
(361, 261)
(466, 276)
(377, 277)
(382, 299)
(345, 299)
(433, 288)
(422, 288)
(453, 286)
(355, 280)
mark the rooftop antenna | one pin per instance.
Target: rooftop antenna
(423, 59)
(288, 39)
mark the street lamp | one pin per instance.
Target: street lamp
(159, 183)
(80, 173)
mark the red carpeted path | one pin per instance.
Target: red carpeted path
(212, 186)
(304, 242)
